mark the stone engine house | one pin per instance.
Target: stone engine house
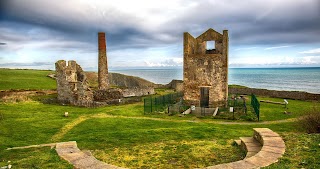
(205, 69)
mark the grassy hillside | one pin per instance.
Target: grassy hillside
(37, 79)
(124, 136)
(26, 79)
(119, 80)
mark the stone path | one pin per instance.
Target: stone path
(52, 145)
(263, 149)
(250, 145)
(81, 119)
(80, 160)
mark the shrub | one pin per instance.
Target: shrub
(311, 122)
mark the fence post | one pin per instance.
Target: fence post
(256, 105)
(156, 104)
(144, 106)
(151, 104)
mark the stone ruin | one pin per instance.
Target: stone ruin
(205, 70)
(72, 84)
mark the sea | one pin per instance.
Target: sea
(289, 79)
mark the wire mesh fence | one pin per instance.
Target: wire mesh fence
(160, 103)
(255, 105)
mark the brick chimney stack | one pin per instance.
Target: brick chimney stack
(102, 62)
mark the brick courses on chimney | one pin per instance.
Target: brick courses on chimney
(102, 62)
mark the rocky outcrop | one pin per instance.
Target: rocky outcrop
(125, 81)
(177, 85)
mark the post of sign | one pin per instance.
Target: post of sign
(285, 103)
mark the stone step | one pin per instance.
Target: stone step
(80, 160)
(250, 145)
(238, 142)
(263, 149)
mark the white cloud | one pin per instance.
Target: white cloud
(166, 63)
(310, 60)
(313, 51)
(275, 61)
(277, 47)
(248, 48)
(138, 31)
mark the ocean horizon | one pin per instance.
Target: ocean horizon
(305, 79)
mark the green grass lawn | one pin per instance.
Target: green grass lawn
(124, 136)
(295, 108)
(26, 79)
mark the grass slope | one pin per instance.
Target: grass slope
(26, 79)
(123, 136)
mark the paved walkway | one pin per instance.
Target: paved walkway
(80, 160)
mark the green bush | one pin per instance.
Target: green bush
(311, 122)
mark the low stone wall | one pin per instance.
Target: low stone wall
(109, 94)
(177, 85)
(276, 94)
(133, 92)
(202, 111)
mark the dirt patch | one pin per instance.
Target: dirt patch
(11, 96)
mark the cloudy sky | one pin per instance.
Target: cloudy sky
(149, 33)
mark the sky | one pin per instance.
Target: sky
(149, 33)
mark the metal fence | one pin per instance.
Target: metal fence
(160, 103)
(255, 105)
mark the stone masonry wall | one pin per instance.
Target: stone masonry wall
(133, 92)
(72, 85)
(277, 94)
(204, 67)
(109, 94)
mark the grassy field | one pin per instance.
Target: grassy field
(122, 135)
(26, 79)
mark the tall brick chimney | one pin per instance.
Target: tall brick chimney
(102, 62)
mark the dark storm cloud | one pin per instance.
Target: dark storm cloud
(256, 22)
(248, 22)
(82, 24)
(2, 43)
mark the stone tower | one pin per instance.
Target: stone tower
(102, 62)
(205, 69)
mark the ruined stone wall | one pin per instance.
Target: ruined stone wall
(102, 62)
(133, 92)
(177, 85)
(72, 85)
(276, 94)
(204, 67)
(107, 95)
